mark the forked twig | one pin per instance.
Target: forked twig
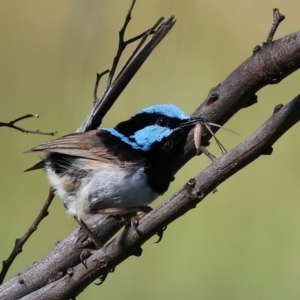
(98, 78)
(11, 124)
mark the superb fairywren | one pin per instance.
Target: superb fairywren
(112, 170)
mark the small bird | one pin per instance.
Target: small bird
(121, 169)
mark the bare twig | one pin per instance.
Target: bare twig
(277, 19)
(11, 125)
(20, 242)
(149, 32)
(98, 78)
(207, 153)
(121, 45)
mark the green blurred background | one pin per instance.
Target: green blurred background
(240, 243)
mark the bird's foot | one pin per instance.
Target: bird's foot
(160, 234)
(85, 254)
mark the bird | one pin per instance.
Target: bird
(121, 169)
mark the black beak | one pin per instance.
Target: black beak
(192, 121)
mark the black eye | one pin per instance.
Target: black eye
(163, 122)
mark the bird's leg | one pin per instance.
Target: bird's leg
(97, 243)
(86, 253)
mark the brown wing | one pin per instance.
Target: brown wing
(77, 144)
(85, 144)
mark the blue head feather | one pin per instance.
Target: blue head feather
(144, 138)
(169, 110)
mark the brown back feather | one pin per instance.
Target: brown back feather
(84, 144)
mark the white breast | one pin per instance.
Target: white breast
(107, 186)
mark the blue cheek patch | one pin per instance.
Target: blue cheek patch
(144, 138)
(147, 136)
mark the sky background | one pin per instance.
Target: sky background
(240, 243)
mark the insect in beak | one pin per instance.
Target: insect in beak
(198, 134)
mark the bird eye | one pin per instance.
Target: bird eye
(163, 122)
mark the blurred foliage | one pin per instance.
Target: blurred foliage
(240, 243)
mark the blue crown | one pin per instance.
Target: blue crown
(169, 110)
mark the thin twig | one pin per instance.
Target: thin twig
(149, 32)
(20, 242)
(11, 125)
(207, 153)
(121, 45)
(277, 19)
(98, 78)
(136, 50)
